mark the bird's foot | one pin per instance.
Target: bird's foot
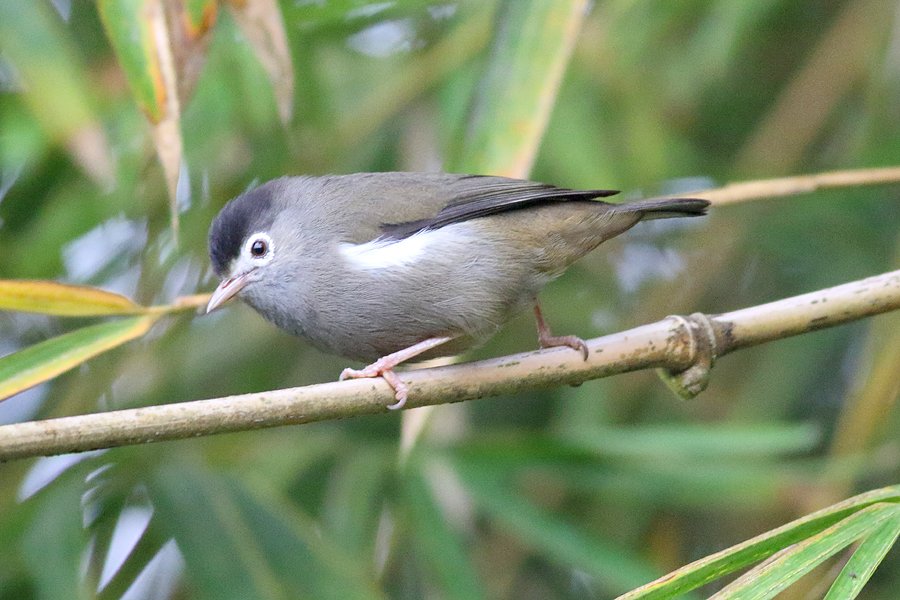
(548, 340)
(572, 341)
(381, 368)
(384, 368)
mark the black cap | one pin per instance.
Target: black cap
(250, 212)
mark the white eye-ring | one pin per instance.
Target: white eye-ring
(260, 248)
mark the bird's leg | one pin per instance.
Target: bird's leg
(384, 368)
(548, 340)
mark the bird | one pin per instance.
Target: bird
(387, 267)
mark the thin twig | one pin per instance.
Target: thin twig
(677, 344)
(799, 184)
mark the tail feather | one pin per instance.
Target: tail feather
(666, 208)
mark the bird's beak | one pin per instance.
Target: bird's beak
(226, 290)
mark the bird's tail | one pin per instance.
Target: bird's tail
(666, 208)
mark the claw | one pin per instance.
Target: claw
(384, 368)
(548, 340)
(401, 390)
(573, 342)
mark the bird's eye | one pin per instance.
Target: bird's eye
(259, 248)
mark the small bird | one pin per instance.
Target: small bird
(387, 267)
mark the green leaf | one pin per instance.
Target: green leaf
(674, 442)
(45, 360)
(728, 485)
(35, 41)
(240, 545)
(130, 28)
(345, 15)
(154, 60)
(52, 298)
(865, 560)
(737, 557)
(263, 26)
(772, 577)
(437, 543)
(55, 90)
(613, 566)
(641, 481)
(55, 541)
(512, 105)
(354, 501)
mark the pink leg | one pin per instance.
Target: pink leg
(384, 368)
(548, 340)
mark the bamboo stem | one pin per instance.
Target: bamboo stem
(677, 344)
(799, 184)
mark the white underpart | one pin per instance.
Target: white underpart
(387, 253)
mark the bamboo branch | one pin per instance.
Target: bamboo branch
(683, 346)
(799, 184)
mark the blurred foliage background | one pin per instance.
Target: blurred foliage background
(561, 493)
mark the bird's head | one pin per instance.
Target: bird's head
(243, 244)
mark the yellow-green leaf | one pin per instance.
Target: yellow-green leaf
(738, 557)
(857, 571)
(199, 16)
(774, 576)
(139, 33)
(52, 298)
(45, 360)
(130, 28)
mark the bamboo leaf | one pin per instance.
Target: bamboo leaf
(49, 558)
(263, 26)
(440, 547)
(772, 577)
(199, 16)
(737, 557)
(516, 94)
(130, 28)
(614, 567)
(190, 23)
(264, 549)
(864, 561)
(61, 299)
(673, 442)
(45, 360)
(140, 35)
(353, 504)
(60, 99)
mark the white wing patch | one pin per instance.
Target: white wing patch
(387, 253)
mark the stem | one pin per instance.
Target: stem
(799, 184)
(670, 344)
